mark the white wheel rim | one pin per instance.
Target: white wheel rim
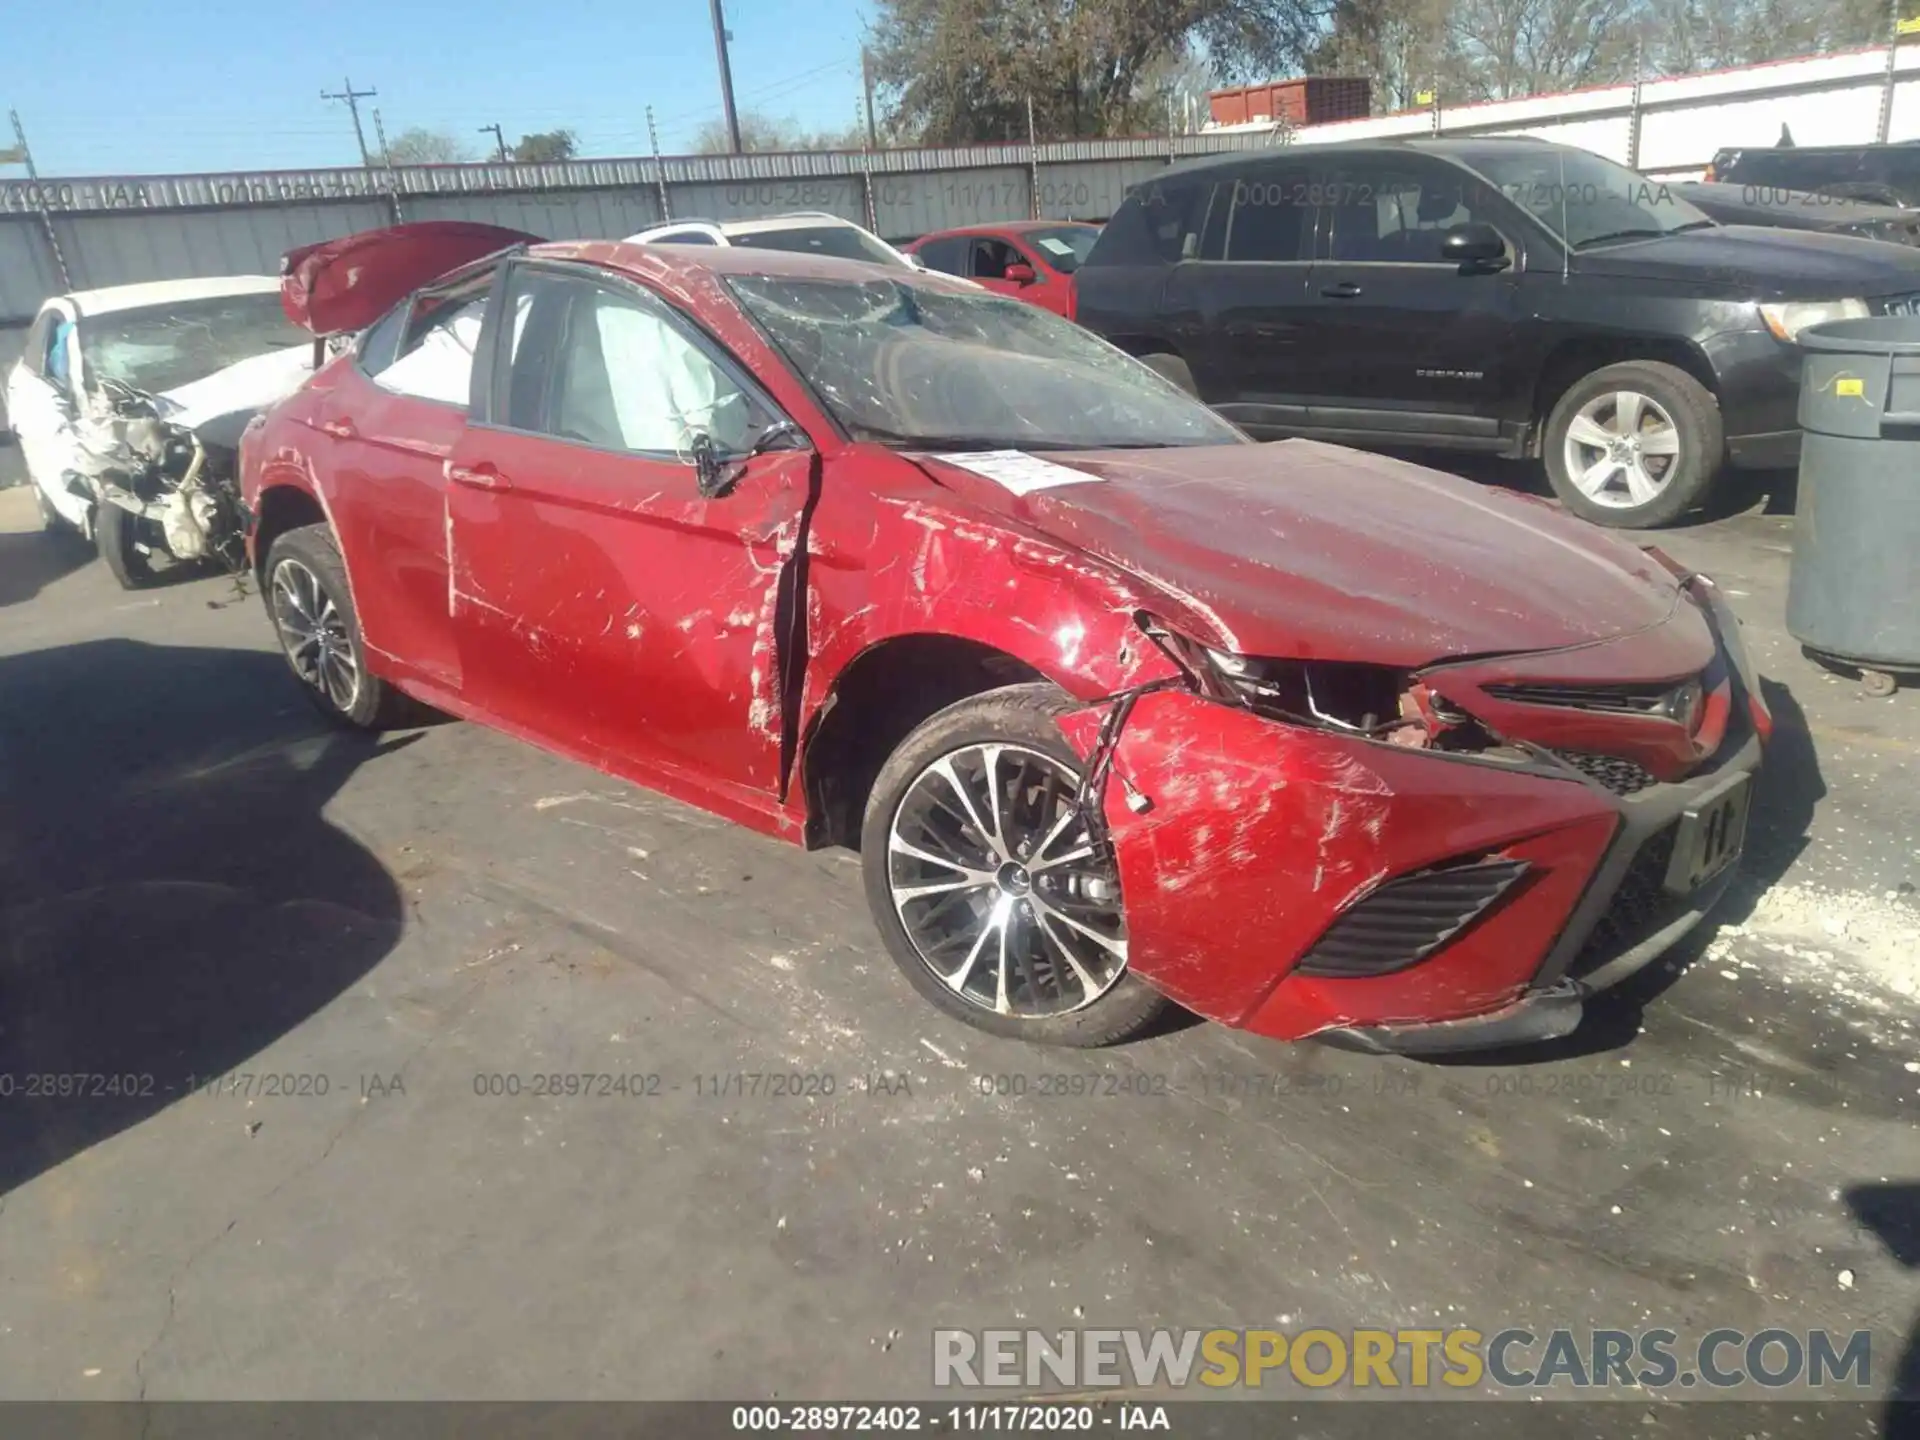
(1622, 449)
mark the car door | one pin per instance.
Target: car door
(389, 424)
(40, 404)
(602, 601)
(1406, 343)
(989, 257)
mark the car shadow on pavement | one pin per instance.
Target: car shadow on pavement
(172, 899)
(1891, 1210)
(32, 561)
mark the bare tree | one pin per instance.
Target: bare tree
(961, 70)
(428, 147)
(761, 133)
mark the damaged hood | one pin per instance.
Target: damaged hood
(252, 384)
(348, 283)
(1308, 551)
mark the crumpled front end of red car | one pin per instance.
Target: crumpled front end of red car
(1449, 859)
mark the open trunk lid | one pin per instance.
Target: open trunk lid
(346, 284)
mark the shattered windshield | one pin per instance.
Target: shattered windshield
(161, 347)
(916, 364)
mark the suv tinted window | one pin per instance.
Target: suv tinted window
(1173, 215)
(1397, 214)
(1272, 216)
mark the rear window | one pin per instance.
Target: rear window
(1158, 223)
(843, 242)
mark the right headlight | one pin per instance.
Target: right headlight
(1788, 319)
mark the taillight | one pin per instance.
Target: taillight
(1073, 298)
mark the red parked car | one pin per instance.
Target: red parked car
(1116, 704)
(1031, 259)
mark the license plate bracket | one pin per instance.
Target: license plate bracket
(1712, 833)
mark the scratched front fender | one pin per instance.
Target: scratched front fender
(1255, 835)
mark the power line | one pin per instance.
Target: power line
(353, 98)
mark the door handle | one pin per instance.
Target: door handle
(339, 429)
(1345, 290)
(478, 477)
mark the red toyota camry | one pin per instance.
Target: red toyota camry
(1117, 705)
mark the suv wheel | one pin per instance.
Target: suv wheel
(1634, 445)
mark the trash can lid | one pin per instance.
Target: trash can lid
(1876, 335)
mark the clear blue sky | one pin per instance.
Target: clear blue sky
(114, 86)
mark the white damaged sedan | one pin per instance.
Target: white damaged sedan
(121, 400)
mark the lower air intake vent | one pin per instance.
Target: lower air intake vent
(1406, 920)
(1622, 777)
(1609, 699)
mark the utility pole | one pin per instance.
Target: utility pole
(659, 168)
(40, 195)
(866, 81)
(353, 97)
(726, 78)
(386, 159)
(499, 140)
(1893, 68)
(1033, 165)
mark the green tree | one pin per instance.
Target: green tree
(546, 146)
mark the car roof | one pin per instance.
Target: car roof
(817, 219)
(676, 263)
(113, 298)
(1463, 150)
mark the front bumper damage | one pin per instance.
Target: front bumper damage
(1241, 841)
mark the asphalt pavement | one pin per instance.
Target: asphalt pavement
(394, 939)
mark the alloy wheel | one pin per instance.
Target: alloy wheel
(1000, 886)
(314, 634)
(1621, 449)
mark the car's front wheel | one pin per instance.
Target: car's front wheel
(1634, 445)
(312, 609)
(127, 543)
(987, 887)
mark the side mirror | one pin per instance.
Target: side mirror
(1474, 246)
(1020, 274)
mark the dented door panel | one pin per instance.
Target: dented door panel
(601, 599)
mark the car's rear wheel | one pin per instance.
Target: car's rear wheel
(986, 885)
(126, 542)
(1634, 445)
(311, 606)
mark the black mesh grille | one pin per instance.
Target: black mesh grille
(1621, 776)
(1640, 906)
(1406, 920)
(1609, 699)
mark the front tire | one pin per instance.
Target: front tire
(311, 607)
(125, 543)
(1634, 445)
(984, 884)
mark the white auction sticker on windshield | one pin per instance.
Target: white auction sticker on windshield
(1018, 471)
(1058, 247)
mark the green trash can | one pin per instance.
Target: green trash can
(1853, 593)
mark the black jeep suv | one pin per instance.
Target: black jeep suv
(1510, 296)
